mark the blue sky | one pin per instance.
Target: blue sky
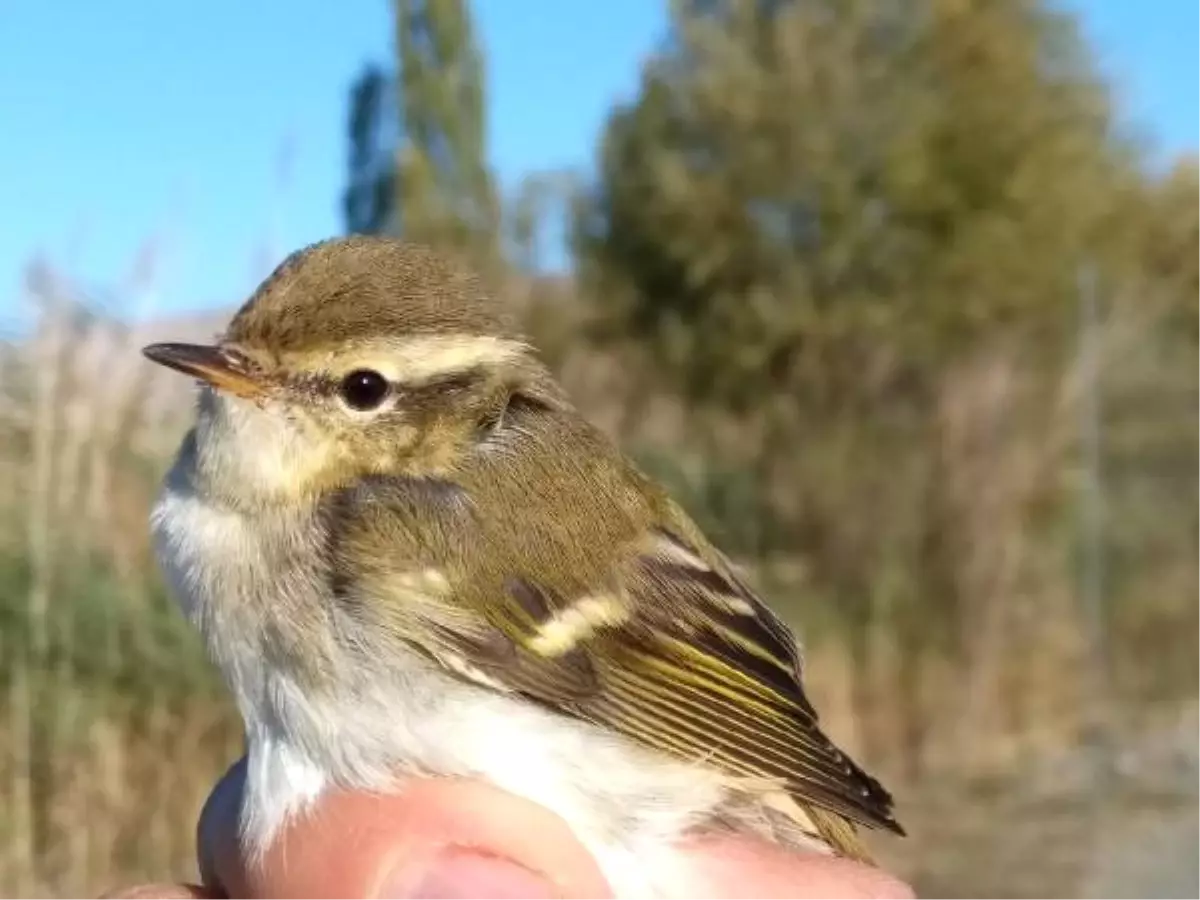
(217, 128)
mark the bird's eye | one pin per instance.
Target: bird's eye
(364, 389)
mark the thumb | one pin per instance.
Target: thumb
(435, 838)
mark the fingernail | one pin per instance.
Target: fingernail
(459, 872)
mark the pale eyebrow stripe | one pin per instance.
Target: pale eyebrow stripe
(420, 358)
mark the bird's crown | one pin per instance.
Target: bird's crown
(349, 290)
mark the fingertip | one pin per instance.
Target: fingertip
(164, 891)
(458, 872)
(743, 868)
(217, 849)
(437, 837)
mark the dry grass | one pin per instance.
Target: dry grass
(113, 727)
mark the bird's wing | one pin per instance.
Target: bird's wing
(674, 651)
(682, 657)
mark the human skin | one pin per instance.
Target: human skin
(447, 838)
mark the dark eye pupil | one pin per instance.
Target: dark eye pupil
(364, 389)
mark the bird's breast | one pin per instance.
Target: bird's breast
(254, 586)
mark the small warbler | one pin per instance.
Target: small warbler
(410, 555)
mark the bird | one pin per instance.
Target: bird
(410, 555)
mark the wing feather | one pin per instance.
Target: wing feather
(697, 666)
(662, 642)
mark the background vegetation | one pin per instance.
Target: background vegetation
(881, 290)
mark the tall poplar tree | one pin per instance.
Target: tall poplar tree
(418, 162)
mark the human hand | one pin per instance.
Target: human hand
(445, 838)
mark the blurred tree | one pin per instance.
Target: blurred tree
(417, 160)
(1151, 423)
(536, 215)
(1169, 232)
(807, 194)
(369, 197)
(444, 191)
(856, 228)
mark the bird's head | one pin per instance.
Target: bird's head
(357, 356)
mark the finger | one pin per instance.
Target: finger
(742, 868)
(473, 834)
(164, 891)
(435, 838)
(217, 830)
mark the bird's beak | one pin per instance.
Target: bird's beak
(226, 371)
